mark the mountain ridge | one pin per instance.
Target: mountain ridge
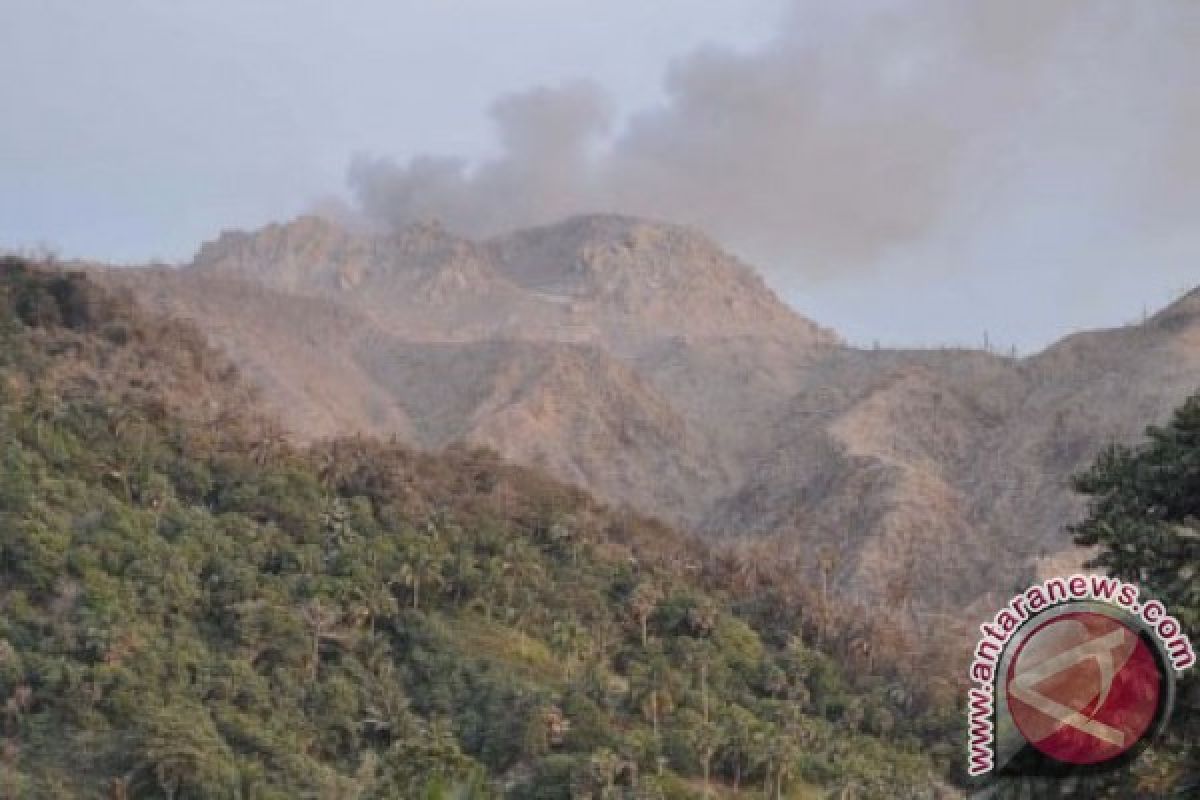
(640, 360)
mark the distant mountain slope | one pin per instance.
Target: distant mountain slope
(330, 368)
(641, 361)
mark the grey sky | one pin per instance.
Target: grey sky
(913, 172)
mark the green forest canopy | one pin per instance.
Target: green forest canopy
(193, 607)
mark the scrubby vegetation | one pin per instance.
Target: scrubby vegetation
(191, 607)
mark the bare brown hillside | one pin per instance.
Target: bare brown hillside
(641, 361)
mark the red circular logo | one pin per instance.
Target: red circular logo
(1083, 688)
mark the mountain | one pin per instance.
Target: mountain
(611, 280)
(195, 608)
(576, 347)
(639, 360)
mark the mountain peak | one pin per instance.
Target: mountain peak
(308, 250)
(304, 231)
(579, 278)
(666, 277)
(592, 245)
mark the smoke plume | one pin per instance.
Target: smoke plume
(856, 129)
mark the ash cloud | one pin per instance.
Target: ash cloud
(852, 132)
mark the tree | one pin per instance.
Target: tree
(464, 574)
(523, 571)
(565, 539)
(338, 533)
(428, 764)
(653, 689)
(421, 567)
(828, 560)
(705, 739)
(745, 742)
(1144, 516)
(378, 601)
(386, 712)
(1145, 509)
(322, 621)
(269, 441)
(332, 464)
(492, 573)
(602, 771)
(182, 751)
(568, 639)
(642, 603)
(780, 758)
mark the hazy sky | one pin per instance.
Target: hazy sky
(915, 172)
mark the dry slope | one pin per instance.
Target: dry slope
(642, 361)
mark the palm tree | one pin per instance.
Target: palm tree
(492, 578)
(603, 766)
(439, 524)
(336, 461)
(379, 601)
(524, 571)
(321, 621)
(268, 442)
(827, 561)
(464, 573)
(565, 539)
(339, 534)
(567, 638)
(643, 601)
(421, 566)
(746, 742)
(385, 704)
(653, 688)
(706, 739)
(780, 757)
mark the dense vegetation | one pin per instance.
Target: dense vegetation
(192, 607)
(1145, 522)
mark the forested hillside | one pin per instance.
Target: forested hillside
(192, 607)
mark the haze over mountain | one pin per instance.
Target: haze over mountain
(639, 360)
